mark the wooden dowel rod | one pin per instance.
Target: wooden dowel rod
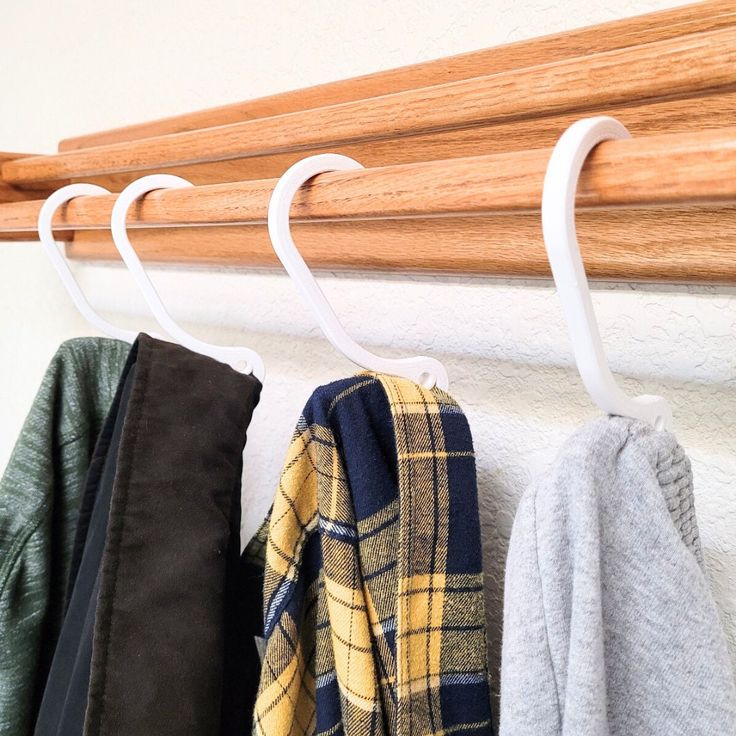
(692, 244)
(678, 67)
(664, 24)
(681, 168)
(9, 193)
(659, 118)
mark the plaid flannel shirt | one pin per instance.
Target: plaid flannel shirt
(373, 595)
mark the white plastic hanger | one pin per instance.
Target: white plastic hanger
(46, 236)
(558, 224)
(241, 359)
(425, 371)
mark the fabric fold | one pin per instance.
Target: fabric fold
(64, 702)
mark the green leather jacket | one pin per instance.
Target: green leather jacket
(39, 502)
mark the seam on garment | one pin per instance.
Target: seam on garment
(34, 520)
(392, 661)
(544, 614)
(18, 547)
(137, 404)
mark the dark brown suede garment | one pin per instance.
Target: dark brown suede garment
(164, 626)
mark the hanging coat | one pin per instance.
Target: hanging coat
(40, 496)
(148, 644)
(373, 596)
(609, 626)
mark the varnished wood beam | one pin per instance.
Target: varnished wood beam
(680, 67)
(10, 193)
(694, 245)
(677, 169)
(665, 24)
(668, 116)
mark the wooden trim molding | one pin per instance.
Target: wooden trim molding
(668, 116)
(665, 24)
(687, 66)
(10, 193)
(689, 245)
(666, 170)
(455, 152)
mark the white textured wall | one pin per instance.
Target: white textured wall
(70, 68)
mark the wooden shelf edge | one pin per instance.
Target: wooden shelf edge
(664, 24)
(685, 66)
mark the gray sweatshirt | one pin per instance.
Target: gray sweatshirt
(609, 626)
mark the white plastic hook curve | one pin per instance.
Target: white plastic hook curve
(241, 359)
(425, 371)
(46, 236)
(560, 238)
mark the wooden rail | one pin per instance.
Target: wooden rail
(689, 245)
(704, 62)
(698, 169)
(647, 117)
(455, 151)
(10, 193)
(618, 34)
(650, 118)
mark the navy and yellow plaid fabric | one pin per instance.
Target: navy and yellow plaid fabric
(373, 595)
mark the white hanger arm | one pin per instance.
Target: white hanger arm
(423, 370)
(46, 236)
(241, 359)
(560, 238)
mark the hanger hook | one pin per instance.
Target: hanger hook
(563, 251)
(241, 359)
(423, 370)
(46, 235)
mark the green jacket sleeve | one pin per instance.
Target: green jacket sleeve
(39, 501)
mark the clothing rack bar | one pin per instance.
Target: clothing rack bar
(654, 170)
(662, 170)
(689, 245)
(695, 64)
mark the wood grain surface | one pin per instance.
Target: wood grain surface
(686, 66)
(10, 193)
(695, 245)
(665, 170)
(659, 26)
(670, 116)
(455, 150)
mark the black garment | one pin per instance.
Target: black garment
(243, 661)
(165, 617)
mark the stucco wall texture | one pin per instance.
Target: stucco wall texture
(99, 64)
